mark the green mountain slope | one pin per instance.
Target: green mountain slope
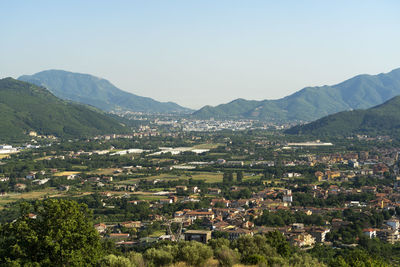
(311, 103)
(100, 93)
(26, 107)
(382, 119)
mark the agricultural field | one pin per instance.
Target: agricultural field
(40, 194)
(65, 173)
(3, 156)
(209, 177)
(106, 171)
(208, 146)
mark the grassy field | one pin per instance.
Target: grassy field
(145, 196)
(208, 146)
(43, 158)
(12, 197)
(107, 171)
(66, 173)
(209, 177)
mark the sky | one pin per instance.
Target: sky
(203, 52)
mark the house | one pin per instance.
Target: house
(332, 174)
(107, 179)
(302, 240)
(93, 179)
(388, 235)
(393, 223)
(222, 202)
(71, 177)
(248, 225)
(195, 189)
(236, 233)
(214, 191)
(292, 174)
(319, 234)
(31, 176)
(319, 175)
(194, 215)
(221, 226)
(100, 227)
(298, 226)
(64, 187)
(287, 198)
(174, 199)
(4, 179)
(354, 163)
(380, 203)
(240, 203)
(371, 233)
(198, 235)
(179, 214)
(166, 201)
(20, 186)
(181, 189)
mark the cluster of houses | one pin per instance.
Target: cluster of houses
(389, 232)
(235, 217)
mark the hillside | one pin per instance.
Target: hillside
(26, 107)
(311, 103)
(382, 119)
(100, 93)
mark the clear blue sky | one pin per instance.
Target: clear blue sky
(202, 52)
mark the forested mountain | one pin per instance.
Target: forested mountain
(382, 119)
(311, 103)
(26, 107)
(100, 93)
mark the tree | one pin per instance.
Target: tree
(227, 177)
(194, 253)
(226, 256)
(61, 235)
(239, 176)
(277, 240)
(116, 261)
(158, 257)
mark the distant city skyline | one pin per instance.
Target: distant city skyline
(198, 53)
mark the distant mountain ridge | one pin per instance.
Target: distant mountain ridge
(98, 92)
(311, 103)
(26, 107)
(379, 120)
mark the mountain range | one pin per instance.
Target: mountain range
(308, 104)
(25, 107)
(382, 119)
(311, 103)
(98, 92)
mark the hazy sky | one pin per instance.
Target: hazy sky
(202, 52)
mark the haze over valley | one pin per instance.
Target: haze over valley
(200, 133)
